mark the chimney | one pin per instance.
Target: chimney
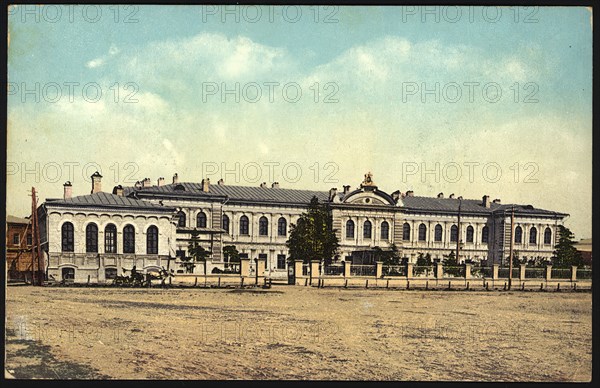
(275, 185)
(410, 193)
(497, 200)
(96, 182)
(118, 190)
(68, 190)
(263, 185)
(396, 195)
(146, 183)
(205, 185)
(451, 195)
(138, 185)
(175, 179)
(332, 193)
(346, 189)
(486, 201)
(160, 182)
(440, 195)
(221, 182)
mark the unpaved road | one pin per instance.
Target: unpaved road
(298, 333)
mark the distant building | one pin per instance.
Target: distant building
(585, 247)
(18, 248)
(100, 234)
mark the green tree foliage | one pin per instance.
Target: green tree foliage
(196, 253)
(423, 261)
(231, 254)
(565, 253)
(313, 236)
(451, 265)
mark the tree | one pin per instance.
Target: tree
(390, 257)
(313, 236)
(451, 264)
(423, 261)
(516, 261)
(196, 252)
(231, 254)
(565, 253)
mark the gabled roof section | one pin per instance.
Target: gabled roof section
(16, 220)
(103, 199)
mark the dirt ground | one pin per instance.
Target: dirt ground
(294, 332)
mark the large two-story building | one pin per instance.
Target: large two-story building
(98, 235)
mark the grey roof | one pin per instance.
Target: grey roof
(106, 200)
(16, 220)
(241, 193)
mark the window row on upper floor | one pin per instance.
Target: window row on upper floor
(243, 227)
(110, 238)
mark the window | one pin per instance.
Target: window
(29, 239)
(201, 220)
(470, 233)
(181, 219)
(68, 273)
(263, 226)
(225, 223)
(454, 233)
(110, 239)
(152, 240)
(438, 232)
(518, 235)
(367, 229)
(128, 239)
(349, 229)
(68, 243)
(280, 261)
(547, 236)
(244, 225)
(91, 238)
(406, 231)
(485, 233)
(533, 235)
(422, 232)
(110, 273)
(281, 227)
(16, 239)
(385, 230)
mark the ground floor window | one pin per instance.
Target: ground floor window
(68, 273)
(280, 261)
(110, 273)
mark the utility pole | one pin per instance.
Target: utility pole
(512, 241)
(458, 231)
(36, 253)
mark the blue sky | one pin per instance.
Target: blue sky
(366, 59)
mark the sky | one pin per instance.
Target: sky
(467, 100)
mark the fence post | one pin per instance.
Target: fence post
(522, 272)
(314, 269)
(378, 269)
(409, 270)
(573, 273)
(548, 272)
(347, 265)
(298, 270)
(495, 268)
(439, 273)
(244, 267)
(468, 271)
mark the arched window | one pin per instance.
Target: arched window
(385, 230)
(470, 232)
(129, 239)
(244, 225)
(152, 240)
(454, 233)
(110, 239)
(485, 233)
(406, 231)
(518, 235)
(533, 235)
(422, 232)
(438, 232)
(201, 220)
(225, 223)
(68, 238)
(548, 236)
(91, 238)
(181, 221)
(282, 227)
(367, 228)
(349, 229)
(263, 226)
